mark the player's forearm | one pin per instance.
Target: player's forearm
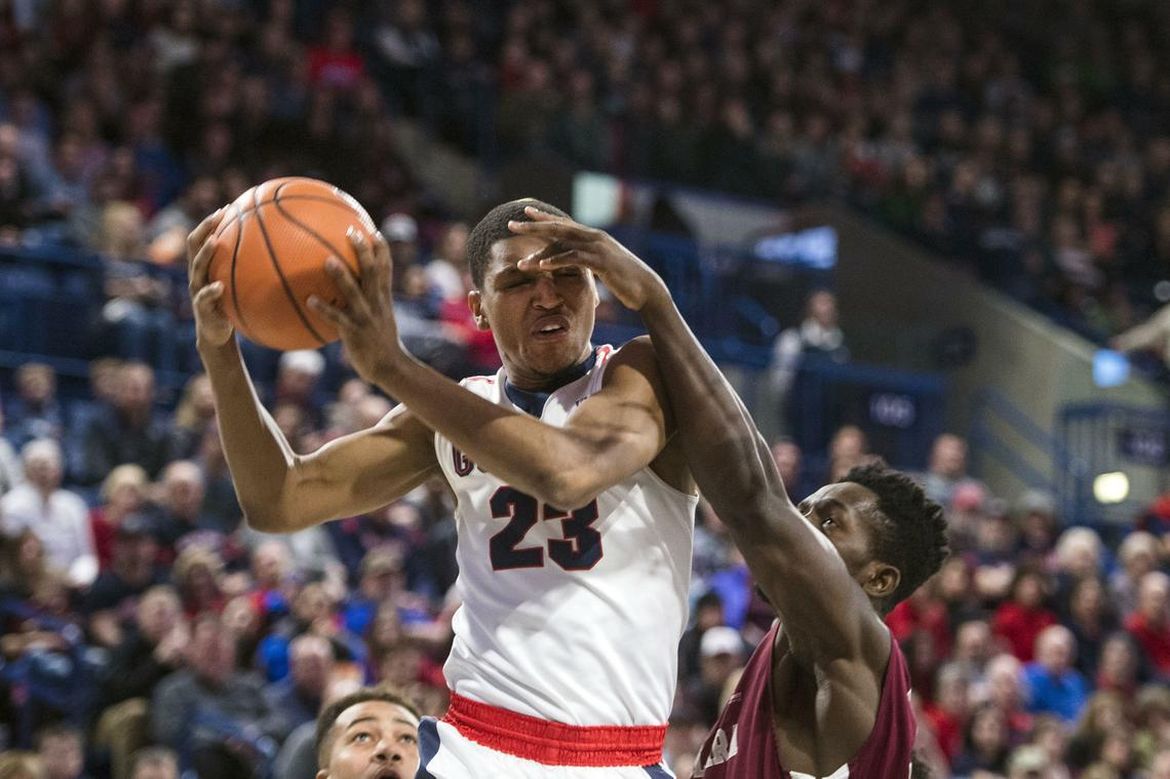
(257, 453)
(726, 454)
(534, 457)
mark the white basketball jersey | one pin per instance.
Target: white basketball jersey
(568, 615)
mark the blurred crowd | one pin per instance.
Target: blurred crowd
(144, 624)
(1024, 139)
(146, 631)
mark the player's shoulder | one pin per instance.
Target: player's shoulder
(636, 353)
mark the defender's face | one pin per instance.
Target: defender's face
(541, 322)
(374, 740)
(840, 512)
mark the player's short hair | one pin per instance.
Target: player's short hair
(323, 743)
(912, 532)
(494, 227)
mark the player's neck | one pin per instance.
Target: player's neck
(530, 395)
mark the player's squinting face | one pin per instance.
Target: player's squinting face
(837, 510)
(541, 322)
(373, 740)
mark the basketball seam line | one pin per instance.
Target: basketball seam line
(284, 281)
(235, 289)
(288, 215)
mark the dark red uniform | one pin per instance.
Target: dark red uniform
(743, 742)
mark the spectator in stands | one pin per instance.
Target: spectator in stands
(1091, 619)
(721, 653)
(986, 743)
(788, 457)
(817, 338)
(298, 697)
(58, 517)
(1004, 689)
(1149, 623)
(313, 612)
(198, 576)
(947, 717)
(448, 265)
(35, 412)
(166, 232)
(178, 513)
(11, 473)
(1055, 686)
(1120, 667)
(154, 646)
(383, 580)
(947, 468)
(1038, 525)
(848, 448)
(335, 64)
(137, 301)
(127, 430)
(122, 493)
(209, 711)
(1103, 714)
(62, 752)
(393, 729)
(154, 763)
(114, 594)
(1138, 554)
(297, 384)
(1021, 619)
(194, 416)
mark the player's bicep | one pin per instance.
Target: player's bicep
(626, 421)
(361, 471)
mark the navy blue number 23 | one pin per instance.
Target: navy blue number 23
(579, 550)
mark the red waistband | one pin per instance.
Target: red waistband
(555, 743)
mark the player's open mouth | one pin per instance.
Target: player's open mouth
(388, 773)
(550, 327)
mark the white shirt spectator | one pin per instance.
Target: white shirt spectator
(58, 517)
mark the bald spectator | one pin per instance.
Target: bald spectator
(1138, 555)
(1149, 624)
(58, 517)
(127, 430)
(1055, 686)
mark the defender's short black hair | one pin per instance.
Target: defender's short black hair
(912, 531)
(494, 227)
(322, 743)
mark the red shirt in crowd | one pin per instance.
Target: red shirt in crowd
(1020, 626)
(1154, 641)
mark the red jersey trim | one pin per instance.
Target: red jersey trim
(555, 743)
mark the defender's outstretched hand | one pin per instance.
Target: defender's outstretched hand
(212, 327)
(632, 281)
(366, 322)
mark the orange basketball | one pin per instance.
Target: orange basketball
(270, 255)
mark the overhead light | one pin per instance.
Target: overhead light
(1112, 487)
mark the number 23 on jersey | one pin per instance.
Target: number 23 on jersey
(579, 550)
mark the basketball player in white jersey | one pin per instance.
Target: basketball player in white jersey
(574, 508)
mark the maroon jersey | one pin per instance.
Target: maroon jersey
(743, 742)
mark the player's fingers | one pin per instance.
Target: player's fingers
(554, 231)
(197, 272)
(365, 257)
(209, 297)
(544, 216)
(345, 280)
(338, 317)
(565, 258)
(197, 237)
(383, 263)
